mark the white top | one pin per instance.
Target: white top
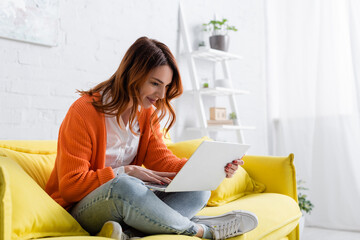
(121, 144)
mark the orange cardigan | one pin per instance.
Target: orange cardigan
(80, 162)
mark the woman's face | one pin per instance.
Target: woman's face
(156, 85)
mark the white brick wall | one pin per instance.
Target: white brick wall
(38, 84)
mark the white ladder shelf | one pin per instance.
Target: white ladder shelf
(214, 56)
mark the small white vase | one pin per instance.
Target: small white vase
(222, 83)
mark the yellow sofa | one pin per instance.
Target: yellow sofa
(27, 212)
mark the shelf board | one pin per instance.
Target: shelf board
(214, 55)
(218, 91)
(223, 128)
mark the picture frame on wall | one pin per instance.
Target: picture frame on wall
(34, 21)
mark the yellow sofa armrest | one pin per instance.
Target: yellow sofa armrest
(277, 173)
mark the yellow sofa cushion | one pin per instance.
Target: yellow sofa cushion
(5, 205)
(185, 149)
(34, 213)
(278, 214)
(37, 165)
(233, 188)
(36, 157)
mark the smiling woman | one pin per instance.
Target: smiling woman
(156, 86)
(106, 137)
(144, 62)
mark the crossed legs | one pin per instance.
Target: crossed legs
(126, 199)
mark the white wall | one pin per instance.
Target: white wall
(37, 83)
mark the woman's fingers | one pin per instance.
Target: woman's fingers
(148, 178)
(230, 174)
(163, 177)
(151, 177)
(238, 162)
(234, 167)
(231, 168)
(167, 180)
(165, 174)
(143, 174)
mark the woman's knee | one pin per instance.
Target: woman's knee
(204, 196)
(125, 185)
(199, 199)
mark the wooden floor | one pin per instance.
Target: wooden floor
(311, 233)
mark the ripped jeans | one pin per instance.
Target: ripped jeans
(126, 199)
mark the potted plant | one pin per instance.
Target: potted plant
(205, 85)
(305, 204)
(219, 38)
(233, 117)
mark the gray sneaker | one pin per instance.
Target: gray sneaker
(230, 224)
(112, 229)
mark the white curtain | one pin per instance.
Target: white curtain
(313, 73)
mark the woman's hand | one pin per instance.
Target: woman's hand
(148, 175)
(231, 167)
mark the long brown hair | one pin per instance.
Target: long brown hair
(124, 85)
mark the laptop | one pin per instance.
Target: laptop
(204, 170)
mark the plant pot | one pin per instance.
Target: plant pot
(220, 42)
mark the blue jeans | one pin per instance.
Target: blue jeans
(126, 199)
